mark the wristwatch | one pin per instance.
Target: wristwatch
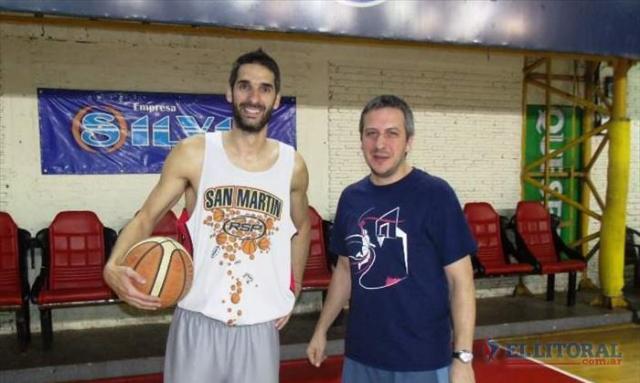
(465, 356)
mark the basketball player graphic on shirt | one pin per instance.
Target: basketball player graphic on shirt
(379, 251)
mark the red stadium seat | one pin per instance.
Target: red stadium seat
(183, 233)
(14, 285)
(167, 226)
(492, 260)
(173, 227)
(317, 273)
(536, 236)
(74, 251)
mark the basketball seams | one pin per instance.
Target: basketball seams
(179, 258)
(171, 276)
(163, 268)
(143, 255)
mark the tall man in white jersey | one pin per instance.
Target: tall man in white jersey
(246, 195)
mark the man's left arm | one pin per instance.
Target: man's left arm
(300, 218)
(463, 310)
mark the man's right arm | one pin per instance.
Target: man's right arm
(173, 182)
(337, 298)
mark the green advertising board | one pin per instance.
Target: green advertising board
(566, 125)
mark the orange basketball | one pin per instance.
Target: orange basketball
(166, 266)
(249, 246)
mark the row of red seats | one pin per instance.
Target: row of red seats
(537, 250)
(14, 285)
(75, 248)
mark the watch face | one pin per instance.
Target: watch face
(466, 356)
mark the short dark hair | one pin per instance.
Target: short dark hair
(256, 57)
(389, 101)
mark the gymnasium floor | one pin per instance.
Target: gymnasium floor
(134, 353)
(619, 347)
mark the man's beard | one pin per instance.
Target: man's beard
(245, 126)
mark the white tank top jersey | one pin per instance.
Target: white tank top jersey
(241, 230)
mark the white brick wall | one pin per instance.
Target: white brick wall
(467, 116)
(466, 106)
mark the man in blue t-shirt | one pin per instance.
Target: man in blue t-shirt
(404, 246)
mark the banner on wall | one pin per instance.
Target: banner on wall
(566, 126)
(108, 132)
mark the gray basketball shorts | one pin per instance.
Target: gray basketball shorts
(204, 350)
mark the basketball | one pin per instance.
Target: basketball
(165, 265)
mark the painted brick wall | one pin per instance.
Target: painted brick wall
(467, 117)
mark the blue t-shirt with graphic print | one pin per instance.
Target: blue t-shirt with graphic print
(399, 238)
